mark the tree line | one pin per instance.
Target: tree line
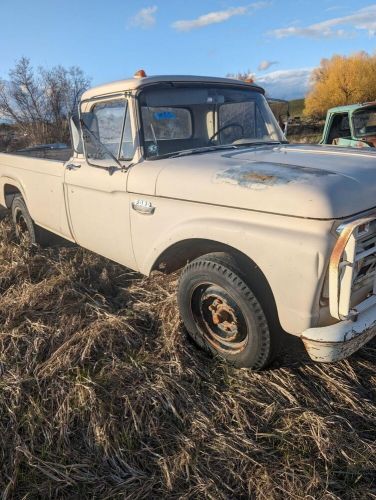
(337, 81)
(341, 80)
(38, 102)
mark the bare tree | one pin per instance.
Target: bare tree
(38, 102)
(245, 76)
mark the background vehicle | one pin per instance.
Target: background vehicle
(192, 172)
(351, 126)
(281, 110)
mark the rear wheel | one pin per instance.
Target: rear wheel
(27, 231)
(222, 314)
(3, 212)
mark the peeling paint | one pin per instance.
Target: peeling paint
(256, 176)
(328, 352)
(260, 175)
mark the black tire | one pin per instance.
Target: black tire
(3, 212)
(28, 233)
(222, 314)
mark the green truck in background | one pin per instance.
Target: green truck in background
(352, 126)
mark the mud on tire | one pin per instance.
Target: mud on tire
(27, 231)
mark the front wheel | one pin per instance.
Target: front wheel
(222, 314)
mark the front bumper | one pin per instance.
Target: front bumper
(338, 341)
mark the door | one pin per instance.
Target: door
(96, 185)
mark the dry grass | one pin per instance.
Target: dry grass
(102, 396)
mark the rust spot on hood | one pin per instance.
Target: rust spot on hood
(259, 175)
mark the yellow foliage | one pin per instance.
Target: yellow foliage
(342, 80)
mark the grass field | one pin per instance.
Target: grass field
(102, 396)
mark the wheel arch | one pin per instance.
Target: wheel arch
(9, 190)
(179, 254)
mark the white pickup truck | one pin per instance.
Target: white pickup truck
(190, 172)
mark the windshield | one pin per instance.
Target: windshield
(184, 118)
(365, 122)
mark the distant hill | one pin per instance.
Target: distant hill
(296, 107)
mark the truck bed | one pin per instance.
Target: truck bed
(47, 154)
(40, 181)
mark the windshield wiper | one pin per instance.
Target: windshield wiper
(194, 151)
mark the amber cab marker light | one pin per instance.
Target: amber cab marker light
(140, 74)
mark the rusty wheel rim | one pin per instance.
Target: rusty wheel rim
(219, 318)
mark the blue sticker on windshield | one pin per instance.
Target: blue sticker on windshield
(164, 115)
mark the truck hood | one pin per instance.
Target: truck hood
(318, 182)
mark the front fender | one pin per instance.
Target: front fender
(292, 253)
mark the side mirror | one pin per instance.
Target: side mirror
(283, 123)
(286, 127)
(75, 132)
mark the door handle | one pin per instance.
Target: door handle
(73, 166)
(143, 207)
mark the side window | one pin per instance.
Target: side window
(110, 117)
(340, 127)
(107, 132)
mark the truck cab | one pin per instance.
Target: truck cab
(351, 126)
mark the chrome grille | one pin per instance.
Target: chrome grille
(365, 266)
(352, 270)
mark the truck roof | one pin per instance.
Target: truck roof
(137, 82)
(351, 107)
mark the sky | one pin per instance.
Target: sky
(278, 41)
